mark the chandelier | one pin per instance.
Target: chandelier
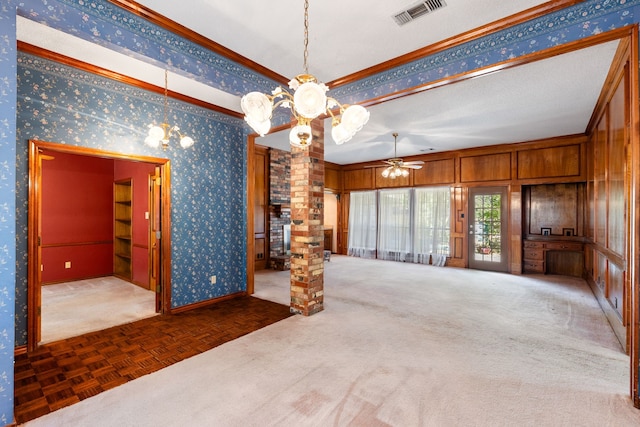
(160, 135)
(309, 100)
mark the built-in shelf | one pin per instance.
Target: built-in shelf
(122, 248)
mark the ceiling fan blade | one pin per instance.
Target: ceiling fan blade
(411, 166)
(413, 162)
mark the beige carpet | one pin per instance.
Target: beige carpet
(74, 308)
(397, 344)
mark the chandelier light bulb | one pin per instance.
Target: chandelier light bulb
(310, 100)
(355, 117)
(385, 173)
(257, 107)
(261, 128)
(152, 142)
(340, 134)
(186, 142)
(156, 132)
(300, 136)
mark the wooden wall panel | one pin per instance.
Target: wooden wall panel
(616, 162)
(458, 227)
(554, 206)
(435, 172)
(600, 184)
(563, 161)
(344, 242)
(358, 179)
(488, 167)
(615, 294)
(332, 178)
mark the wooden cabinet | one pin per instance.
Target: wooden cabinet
(122, 244)
(553, 257)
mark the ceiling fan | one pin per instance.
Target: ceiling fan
(396, 166)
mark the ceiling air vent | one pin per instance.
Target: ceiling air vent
(417, 10)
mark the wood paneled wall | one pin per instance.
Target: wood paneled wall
(608, 186)
(557, 160)
(546, 161)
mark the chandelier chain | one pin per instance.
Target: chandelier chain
(306, 36)
(166, 92)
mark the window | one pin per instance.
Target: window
(362, 224)
(412, 224)
(431, 220)
(394, 224)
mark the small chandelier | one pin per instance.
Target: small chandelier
(161, 134)
(308, 101)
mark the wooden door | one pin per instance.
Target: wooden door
(261, 207)
(155, 235)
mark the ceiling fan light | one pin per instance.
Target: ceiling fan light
(256, 106)
(310, 100)
(354, 117)
(186, 142)
(340, 134)
(385, 173)
(300, 136)
(405, 173)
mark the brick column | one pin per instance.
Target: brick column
(307, 225)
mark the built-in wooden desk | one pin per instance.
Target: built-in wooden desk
(553, 257)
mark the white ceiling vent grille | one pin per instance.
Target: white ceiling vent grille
(417, 10)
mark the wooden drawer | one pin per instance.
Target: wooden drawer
(533, 254)
(531, 266)
(534, 245)
(564, 246)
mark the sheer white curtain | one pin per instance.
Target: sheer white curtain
(394, 224)
(431, 225)
(362, 224)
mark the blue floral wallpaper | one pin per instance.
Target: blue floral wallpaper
(7, 205)
(577, 22)
(60, 104)
(57, 103)
(103, 23)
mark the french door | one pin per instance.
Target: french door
(488, 228)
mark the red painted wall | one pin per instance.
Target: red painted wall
(77, 217)
(139, 174)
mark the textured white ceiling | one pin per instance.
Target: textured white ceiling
(547, 98)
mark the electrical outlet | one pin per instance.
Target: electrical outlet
(67, 264)
(213, 280)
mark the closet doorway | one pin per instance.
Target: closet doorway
(153, 256)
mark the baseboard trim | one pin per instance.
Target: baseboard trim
(57, 282)
(17, 351)
(206, 303)
(611, 314)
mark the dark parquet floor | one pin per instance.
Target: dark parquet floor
(67, 371)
